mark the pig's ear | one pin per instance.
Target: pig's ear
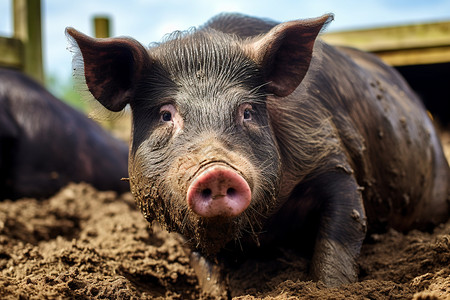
(111, 67)
(285, 52)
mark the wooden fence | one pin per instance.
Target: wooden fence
(404, 45)
(23, 51)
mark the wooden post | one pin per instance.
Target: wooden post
(101, 27)
(102, 30)
(27, 28)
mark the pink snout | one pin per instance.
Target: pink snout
(219, 191)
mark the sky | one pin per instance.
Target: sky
(149, 20)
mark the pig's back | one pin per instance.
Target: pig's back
(396, 152)
(240, 25)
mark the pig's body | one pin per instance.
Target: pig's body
(386, 140)
(272, 138)
(45, 144)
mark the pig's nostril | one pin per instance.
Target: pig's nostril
(231, 192)
(206, 193)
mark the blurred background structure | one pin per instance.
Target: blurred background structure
(420, 52)
(411, 35)
(23, 50)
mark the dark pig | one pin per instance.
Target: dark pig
(45, 144)
(249, 132)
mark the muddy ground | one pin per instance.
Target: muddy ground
(85, 244)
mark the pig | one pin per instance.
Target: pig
(45, 144)
(249, 133)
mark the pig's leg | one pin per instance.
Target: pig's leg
(342, 228)
(209, 276)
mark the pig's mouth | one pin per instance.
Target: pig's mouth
(218, 194)
(214, 233)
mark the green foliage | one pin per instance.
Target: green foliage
(63, 89)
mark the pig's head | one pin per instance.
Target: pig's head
(204, 160)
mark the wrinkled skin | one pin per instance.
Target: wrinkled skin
(45, 144)
(329, 141)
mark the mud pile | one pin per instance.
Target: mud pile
(82, 243)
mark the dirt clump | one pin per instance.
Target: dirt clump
(86, 244)
(82, 243)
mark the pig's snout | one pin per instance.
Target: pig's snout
(218, 191)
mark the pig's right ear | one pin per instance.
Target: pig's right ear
(111, 67)
(284, 53)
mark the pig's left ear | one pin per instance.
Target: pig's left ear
(111, 67)
(285, 52)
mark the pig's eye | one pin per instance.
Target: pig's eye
(170, 118)
(247, 114)
(167, 113)
(166, 116)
